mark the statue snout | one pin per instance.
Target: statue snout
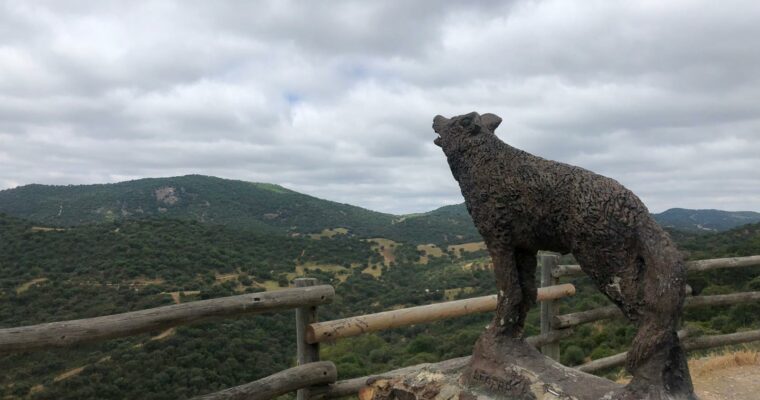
(438, 122)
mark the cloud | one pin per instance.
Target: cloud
(336, 100)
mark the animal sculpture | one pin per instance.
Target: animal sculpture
(521, 203)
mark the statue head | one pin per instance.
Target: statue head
(462, 132)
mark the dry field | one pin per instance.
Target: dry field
(430, 250)
(328, 233)
(385, 247)
(471, 247)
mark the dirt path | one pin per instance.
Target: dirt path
(24, 287)
(165, 334)
(176, 295)
(735, 383)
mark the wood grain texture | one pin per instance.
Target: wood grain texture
(691, 266)
(547, 263)
(697, 343)
(353, 326)
(67, 333)
(305, 352)
(352, 386)
(568, 320)
(286, 381)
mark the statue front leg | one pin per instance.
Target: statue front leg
(511, 303)
(500, 350)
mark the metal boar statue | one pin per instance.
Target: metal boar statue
(522, 203)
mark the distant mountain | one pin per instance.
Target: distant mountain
(262, 207)
(269, 208)
(705, 220)
(681, 219)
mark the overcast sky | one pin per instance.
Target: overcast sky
(336, 99)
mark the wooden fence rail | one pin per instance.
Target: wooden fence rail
(68, 333)
(691, 266)
(353, 326)
(306, 297)
(553, 327)
(302, 376)
(689, 344)
(352, 386)
(608, 312)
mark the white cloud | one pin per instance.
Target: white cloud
(336, 100)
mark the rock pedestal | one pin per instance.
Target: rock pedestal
(539, 379)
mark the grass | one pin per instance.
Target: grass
(334, 268)
(385, 247)
(176, 295)
(270, 187)
(479, 264)
(451, 294)
(270, 285)
(373, 270)
(328, 233)
(221, 278)
(705, 365)
(430, 250)
(146, 282)
(471, 247)
(711, 363)
(45, 229)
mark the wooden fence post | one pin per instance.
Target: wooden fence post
(306, 352)
(547, 262)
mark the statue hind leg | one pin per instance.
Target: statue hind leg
(649, 289)
(657, 360)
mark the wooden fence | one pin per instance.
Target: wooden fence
(315, 379)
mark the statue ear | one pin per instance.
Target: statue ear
(490, 121)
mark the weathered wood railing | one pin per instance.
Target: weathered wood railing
(353, 326)
(314, 379)
(68, 333)
(567, 321)
(553, 327)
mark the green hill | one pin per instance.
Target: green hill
(741, 241)
(261, 207)
(258, 206)
(49, 274)
(705, 220)
(269, 208)
(681, 219)
(83, 271)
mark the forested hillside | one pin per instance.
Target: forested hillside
(702, 221)
(260, 207)
(271, 209)
(53, 274)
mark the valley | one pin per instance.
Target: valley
(90, 265)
